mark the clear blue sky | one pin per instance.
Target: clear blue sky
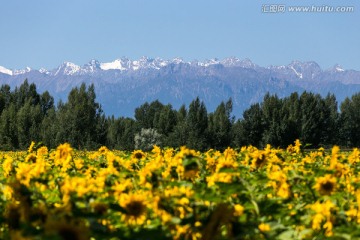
(45, 33)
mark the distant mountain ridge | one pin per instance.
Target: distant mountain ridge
(124, 84)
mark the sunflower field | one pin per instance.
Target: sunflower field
(168, 193)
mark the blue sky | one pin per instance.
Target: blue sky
(45, 33)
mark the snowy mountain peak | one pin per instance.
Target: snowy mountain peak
(119, 64)
(304, 65)
(91, 67)
(160, 62)
(308, 70)
(43, 70)
(94, 63)
(231, 61)
(67, 68)
(247, 63)
(22, 71)
(6, 71)
(297, 69)
(337, 68)
(212, 61)
(236, 62)
(177, 60)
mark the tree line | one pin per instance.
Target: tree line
(26, 115)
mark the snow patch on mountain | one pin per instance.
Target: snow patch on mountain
(22, 71)
(91, 67)
(67, 68)
(337, 68)
(118, 64)
(43, 70)
(6, 71)
(297, 73)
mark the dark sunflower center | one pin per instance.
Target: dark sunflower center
(259, 160)
(63, 154)
(327, 187)
(69, 233)
(135, 208)
(138, 155)
(225, 166)
(32, 159)
(100, 208)
(191, 166)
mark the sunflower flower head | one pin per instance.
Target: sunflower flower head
(30, 158)
(103, 150)
(325, 185)
(63, 153)
(42, 151)
(258, 159)
(7, 165)
(135, 206)
(322, 213)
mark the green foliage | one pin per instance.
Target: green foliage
(78, 119)
(219, 128)
(26, 116)
(350, 121)
(196, 125)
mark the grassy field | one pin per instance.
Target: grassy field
(245, 193)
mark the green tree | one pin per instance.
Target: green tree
(50, 128)
(292, 117)
(330, 125)
(8, 128)
(220, 123)
(350, 121)
(120, 133)
(272, 120)
(146, 114)
(312, 119)
(79, 118)
(179, 135)
(28, 124)
(24, 93)
(252, 125)
(196, 125)
(5, 97)
(46, 102)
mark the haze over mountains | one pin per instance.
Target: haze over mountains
(124, 84)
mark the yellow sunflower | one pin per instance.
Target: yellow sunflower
(30, 158)
(325, 185)
(42, 151)
(258, 159)
(63, 153)
(135, 205)
(138, 154)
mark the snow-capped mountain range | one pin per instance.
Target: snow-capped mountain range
(124, 84)
(125, 64)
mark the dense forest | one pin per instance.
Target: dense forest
(26, 115)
